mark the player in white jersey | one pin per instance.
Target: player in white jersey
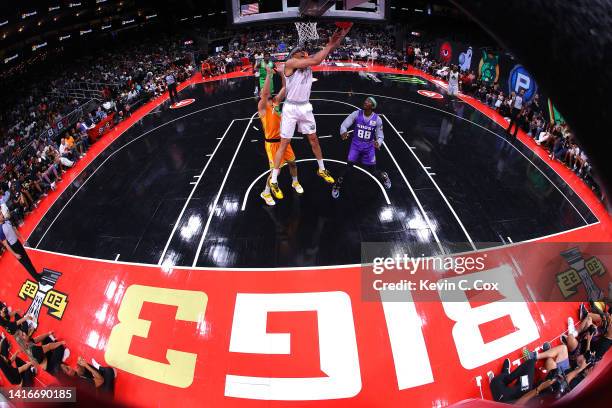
(297, 110)
(453, 81)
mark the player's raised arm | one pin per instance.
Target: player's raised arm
(264, 95)
(334, 41)
(283, 92)
(347, 123)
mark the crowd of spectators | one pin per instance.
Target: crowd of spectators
(26, 351)
(33, 159)
(531, 116)
(362, 44)
(563, 366)
(132, 70)
(555, 136)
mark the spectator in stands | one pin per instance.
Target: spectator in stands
(16, 371)
(10, 238)
(535, 106)
(44, 351)
(502, 385)
(100, 378)
(535, 126)
(555, 357)
(229, 62)
(82, 140)
(81, 126)
(75, 144)
(67, 151)
(206, 69)
(594, 334)
(517, 106)
(545, 139)
(10, 207)
(12, 321)
(499, 102)
(559, 148)
(603, 341)
(100, 114)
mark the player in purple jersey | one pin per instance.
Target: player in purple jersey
(367, 138)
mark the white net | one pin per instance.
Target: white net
(306, 32)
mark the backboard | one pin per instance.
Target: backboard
(266, 11)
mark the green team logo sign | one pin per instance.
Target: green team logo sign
(406, 79)
(489, 67)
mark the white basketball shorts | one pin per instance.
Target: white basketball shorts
(300, 115)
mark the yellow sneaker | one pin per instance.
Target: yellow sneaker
(276, 191)
(297, 187)
(324, 174)
(268, 198)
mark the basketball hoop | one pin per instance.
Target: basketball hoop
(307, 31)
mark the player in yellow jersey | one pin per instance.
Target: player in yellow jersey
(270, 115)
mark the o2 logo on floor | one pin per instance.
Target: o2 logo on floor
(182, 104)
(43, 294)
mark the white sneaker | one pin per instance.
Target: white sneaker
(268, 198)
(32, 323)
(66, 355)
(297, 187)
(95, 364)
(571, 328)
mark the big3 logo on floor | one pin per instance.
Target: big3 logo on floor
(43, 294)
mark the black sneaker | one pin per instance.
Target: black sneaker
(564, 339)
(546, 346)
(582, 313)
(336, 190)
(506, 366)
(386, 180)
